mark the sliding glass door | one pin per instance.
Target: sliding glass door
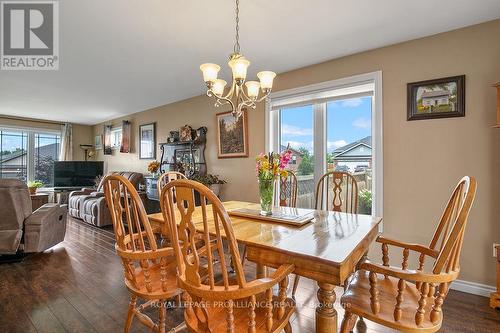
(13, 155)
(297, 134)
(29, 155)
(332, 126)
(349, 143)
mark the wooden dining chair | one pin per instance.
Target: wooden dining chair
(286, 189)
(405, 299)
(150, 270)
(216, 302)
(168, 176)
(343, 198)
(337, 191)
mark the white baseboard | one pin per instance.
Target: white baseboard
(472, 288)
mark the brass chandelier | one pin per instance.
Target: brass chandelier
(236, 96)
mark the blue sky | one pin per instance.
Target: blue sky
(347, 121)
(12, 140)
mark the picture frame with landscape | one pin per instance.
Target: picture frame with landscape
(437, 98)
(232, 135)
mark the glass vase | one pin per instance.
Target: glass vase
(266, 193)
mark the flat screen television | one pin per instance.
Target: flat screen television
(77, 173)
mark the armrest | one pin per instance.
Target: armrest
(46, 212)
(408, 274)
(83, 191)
(414, 247)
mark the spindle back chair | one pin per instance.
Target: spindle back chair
(411, 300)
(337, 191)
(286, 189)
(150, 270)
(219, 302)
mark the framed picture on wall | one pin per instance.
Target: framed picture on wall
(438, 98)
(232, 135)
(98, 142)
(147, 141)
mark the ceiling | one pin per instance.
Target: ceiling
(123, 56)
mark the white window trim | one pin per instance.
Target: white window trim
(323, 91)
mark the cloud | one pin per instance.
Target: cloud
(295, 131)
(299, 144)
(362, 123)
(332, 145)
(352, 103)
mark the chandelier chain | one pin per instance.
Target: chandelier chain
(237, 43)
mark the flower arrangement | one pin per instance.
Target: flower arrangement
(268, 168)
(272, 165)
(153, 167)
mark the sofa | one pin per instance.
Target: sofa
(89, 205)
(24, 230)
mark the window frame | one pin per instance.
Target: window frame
(318, 95)
(30, 154)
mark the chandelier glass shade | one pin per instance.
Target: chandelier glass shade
(241, 94)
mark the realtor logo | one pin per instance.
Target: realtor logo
(29, 35)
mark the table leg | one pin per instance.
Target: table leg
(326, 315)
(261, 271)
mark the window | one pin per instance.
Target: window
(13, 158)
(29, 154)
(47, 148)
(116, 138)
(331, 126)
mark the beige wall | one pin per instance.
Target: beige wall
(423, 160)
(81, 133)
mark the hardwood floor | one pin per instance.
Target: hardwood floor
(78, 287)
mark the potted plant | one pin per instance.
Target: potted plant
(213, 182)
(34, 185)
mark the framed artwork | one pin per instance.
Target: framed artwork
(98, 142)
(232, 135)
(147, 141)
(439, 98)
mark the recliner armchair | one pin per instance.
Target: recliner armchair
(90, 205)
(42, 228)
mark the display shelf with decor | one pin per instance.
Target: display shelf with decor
(497, 85)
(187, 157)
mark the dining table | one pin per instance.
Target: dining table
(326, 249)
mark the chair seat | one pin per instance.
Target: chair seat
(217, 316)
(356, 299)
(157, 292)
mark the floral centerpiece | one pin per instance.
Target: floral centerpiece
(153, 167)
(269, 167)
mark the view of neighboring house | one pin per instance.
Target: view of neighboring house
(436, 97)
(296, 158)
(14, 165)
(353, 155)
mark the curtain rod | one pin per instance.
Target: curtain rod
(32, 120)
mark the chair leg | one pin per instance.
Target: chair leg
(162, 316)
(244, 255)
(295, 285)
(361, 325)
(130, 313)
(346, 322)
(288, 328)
